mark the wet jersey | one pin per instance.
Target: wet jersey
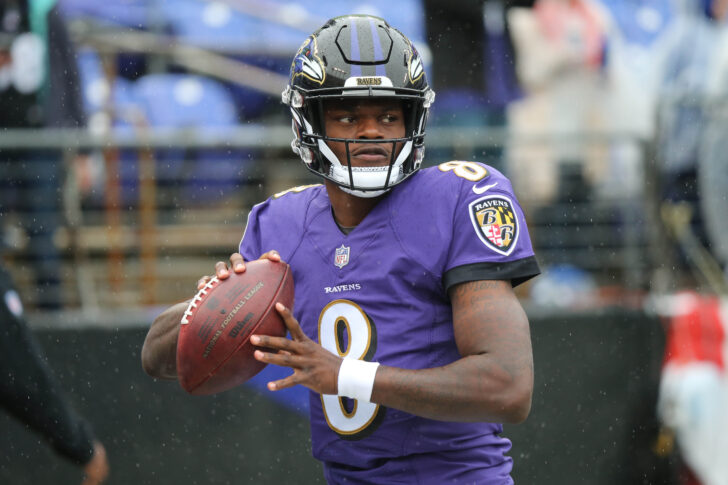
(379, 293)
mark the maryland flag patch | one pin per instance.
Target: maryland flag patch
(495, 223)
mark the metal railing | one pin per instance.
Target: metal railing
(150, 249)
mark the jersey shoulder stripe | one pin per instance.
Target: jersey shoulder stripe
(295, 190)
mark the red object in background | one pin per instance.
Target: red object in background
(695, 332)
(687, 477)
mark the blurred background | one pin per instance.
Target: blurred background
(136, 135)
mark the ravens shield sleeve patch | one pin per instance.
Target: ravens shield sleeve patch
(495, 223)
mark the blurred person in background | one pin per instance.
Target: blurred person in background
(473, 71)
(561, 53)
(713, 167)
(561, 46)
(690, 127)
(30, 393)
(39, 87)
(692, 147)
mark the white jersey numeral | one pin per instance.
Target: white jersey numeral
(346, 330)
(467, 170)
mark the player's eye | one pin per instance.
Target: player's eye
(342, 117)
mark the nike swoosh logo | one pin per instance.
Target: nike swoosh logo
(480, 190)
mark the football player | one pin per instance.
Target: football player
(406, 328)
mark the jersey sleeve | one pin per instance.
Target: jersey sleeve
(278, 223)
(490, 239)
(250, 243)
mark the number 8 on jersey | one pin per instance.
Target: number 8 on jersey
(346, 330)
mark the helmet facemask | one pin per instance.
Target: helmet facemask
(312, 143)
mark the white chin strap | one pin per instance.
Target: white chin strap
(365, 177)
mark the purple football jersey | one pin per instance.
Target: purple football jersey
(380, 294)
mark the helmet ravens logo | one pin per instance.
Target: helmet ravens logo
(307, 63)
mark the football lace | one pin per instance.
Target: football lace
(197, 298)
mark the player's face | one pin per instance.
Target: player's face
(364, 120)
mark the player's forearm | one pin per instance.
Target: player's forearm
(159, 353)
(474, 388)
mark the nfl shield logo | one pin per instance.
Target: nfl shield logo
(341, 258)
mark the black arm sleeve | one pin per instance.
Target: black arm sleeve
(516, 272)
(29, 391)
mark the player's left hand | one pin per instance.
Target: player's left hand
(313, 366)
(97, 469)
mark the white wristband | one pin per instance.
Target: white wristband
(356, 378)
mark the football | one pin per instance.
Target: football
(214, 352)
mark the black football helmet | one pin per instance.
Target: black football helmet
(357, 56)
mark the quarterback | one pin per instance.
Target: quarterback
(406, 329)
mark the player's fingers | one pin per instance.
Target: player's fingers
(278, 343)
(281, 359)
(237, 263)
(291, 322)
(221, 270)
(289, 381)
(203, 281)
(272, 255)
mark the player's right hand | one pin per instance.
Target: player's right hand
(222, 270)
